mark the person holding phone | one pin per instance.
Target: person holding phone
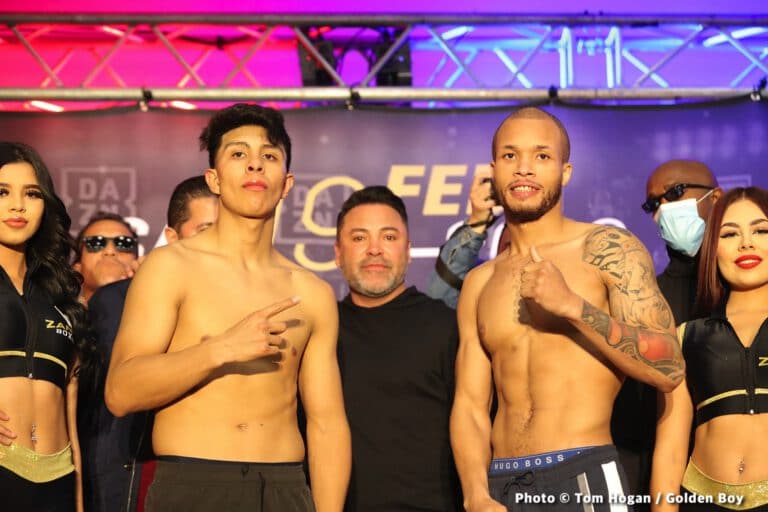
(460, 253)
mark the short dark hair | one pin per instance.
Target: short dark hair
(243, 114)
(98, 217)
(374, 194)
(536, 113)
(183, 194)
(712, 290)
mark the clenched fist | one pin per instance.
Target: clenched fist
(543, 283)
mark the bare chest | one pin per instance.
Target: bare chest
(216, 298)
(506, 320)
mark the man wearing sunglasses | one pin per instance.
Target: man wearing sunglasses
(115, 449)
(107, 251)
(679, 197)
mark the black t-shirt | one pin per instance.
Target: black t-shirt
(678, 285)
(397, 367)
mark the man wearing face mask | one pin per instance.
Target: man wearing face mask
(679, 195)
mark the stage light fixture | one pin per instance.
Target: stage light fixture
(397, 70)
(312, 72)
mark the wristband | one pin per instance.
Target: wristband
(487, 222)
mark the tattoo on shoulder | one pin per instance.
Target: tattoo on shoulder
(634, 296)
(606, 248)
(640, 320)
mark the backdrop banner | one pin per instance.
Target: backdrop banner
(128, 162)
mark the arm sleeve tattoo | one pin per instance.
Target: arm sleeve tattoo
(640, 324)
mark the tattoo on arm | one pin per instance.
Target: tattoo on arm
(640, 320)
(655, 349)
(596, 319)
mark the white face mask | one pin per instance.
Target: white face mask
(680, 225)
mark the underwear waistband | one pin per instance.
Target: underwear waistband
(537, 461)
(36, 467)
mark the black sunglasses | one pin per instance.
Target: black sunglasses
(674, 193)
(99, 243)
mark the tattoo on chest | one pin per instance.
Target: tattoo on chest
(515, 306)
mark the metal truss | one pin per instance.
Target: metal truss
(181, 60)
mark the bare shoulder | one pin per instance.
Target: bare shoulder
(281, 260)
(600, 233)
(316, 295)
(159, 282)
(308, 281)
(173, 263)
(486, 268)
(611, 249)
(202, 243)
(317, 300)
(303, 280)
(477, 278)
(165, 259)
(627, 270)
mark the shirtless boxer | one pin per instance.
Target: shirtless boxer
(557, 321)
(215, 337)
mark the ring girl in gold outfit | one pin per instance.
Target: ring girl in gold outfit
(42, 342)
(726, 388)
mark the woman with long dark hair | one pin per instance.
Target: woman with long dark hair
(43, 342)
(726, 387)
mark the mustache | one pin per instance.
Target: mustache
(375, 261)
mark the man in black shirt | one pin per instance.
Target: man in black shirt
(673, 184)
(397, 349)
(679, 195)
